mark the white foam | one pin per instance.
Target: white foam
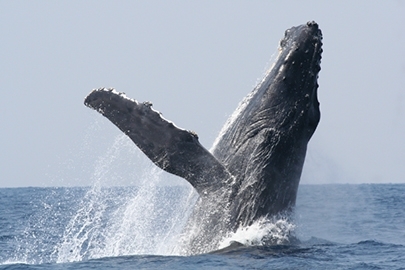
(142, 221)
(261, 232)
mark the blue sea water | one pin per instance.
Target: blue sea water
(339, 227)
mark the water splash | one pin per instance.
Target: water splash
(262, 232)
(147, 219)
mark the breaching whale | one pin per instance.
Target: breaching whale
(254, 167)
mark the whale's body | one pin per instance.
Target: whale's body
(254, 167)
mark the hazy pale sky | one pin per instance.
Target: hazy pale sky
(194, 60)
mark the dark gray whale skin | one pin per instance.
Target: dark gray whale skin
(254, 167)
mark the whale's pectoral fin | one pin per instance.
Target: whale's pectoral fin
(175, 150)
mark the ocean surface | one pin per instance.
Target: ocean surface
(339, 227)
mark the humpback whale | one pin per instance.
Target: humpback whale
(253, 170)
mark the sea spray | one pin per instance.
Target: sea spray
(84, 230)
(112, 221)
(37, 229)
(275, 231)
(149, 222)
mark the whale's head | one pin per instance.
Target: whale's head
(285, 101)
(290, 89)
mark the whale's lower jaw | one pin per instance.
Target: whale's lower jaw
(253, 171)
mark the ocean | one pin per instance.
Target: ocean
(338, 227)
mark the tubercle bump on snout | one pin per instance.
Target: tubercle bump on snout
(308, 31)
(313, 24)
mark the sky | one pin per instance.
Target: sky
(195, 61)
